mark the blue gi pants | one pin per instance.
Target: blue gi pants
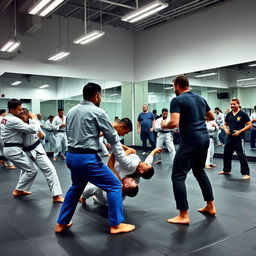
(190, 156)
(89, 167)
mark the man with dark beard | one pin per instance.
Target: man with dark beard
(189, 111)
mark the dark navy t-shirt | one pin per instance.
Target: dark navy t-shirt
(146, 120)
(238, 121)
(192, 109)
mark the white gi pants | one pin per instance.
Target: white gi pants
(168, 140)
(50, 137)
(45, 165)
(61, 143)
(210, 153)
(92, 190)
(28, 168)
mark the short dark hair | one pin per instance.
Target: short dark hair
(255, 107)
(2, 111)
(148, 174)
(132, 192)
(164, 110)
(236, 100)
(25, 111)
(90, 90)
(50, 116)
(217, 108)
(182, 81)
(60, 109)
(154, 111)
(127, 122)
(13, 103)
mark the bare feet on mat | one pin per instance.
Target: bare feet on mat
(223, 173)
(246, 177)
(61, 227)
(208, 166)
(178, 220)
(54, 159)
(58, 199)
(11, 167)
(82, 200)
(209, 209)
(20, 193)
(213, 165)
(63, 157)
(121, 228)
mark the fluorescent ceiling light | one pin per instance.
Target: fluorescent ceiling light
(89, 37)
(207, 74)
(59, 56)
(249, 85)
(168, 88)
(10, 45)
(210, 91)
(114, 94)
(38, 6)
(16, 83)
(144, 11)
(1, 73)
(246, 79)
(50, 7)
(252, 65)
(44, 86)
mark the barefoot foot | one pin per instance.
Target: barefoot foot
(179, 220)
(223, 173)
(208, 210)
(20, 193)
(61, 227)
(58, 199)
(121, 228)
(246, 177)
(82, 200)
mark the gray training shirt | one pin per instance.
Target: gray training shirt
(84, 123)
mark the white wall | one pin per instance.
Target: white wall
(218, 36)
(108, 58)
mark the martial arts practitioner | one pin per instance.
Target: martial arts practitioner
(237, 122)
(12, 135)
(49, 133)
(189, 111)
(212, 127)
(40, 119)
(85, 121)
(164, 136)
(139, 169)
(35, 150)
(3, 159)
(59, 124)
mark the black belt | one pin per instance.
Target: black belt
(8, 145)
(211, 136)
(82, 150)
(60, 131)
(164, 131)
(33, 146)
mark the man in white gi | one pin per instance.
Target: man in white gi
(219, 134)
(59, 124)
(49, 134)
(12, 135)
(212, 127)
(164, 136)
(253, 130)
(35, 150)
(40, 119)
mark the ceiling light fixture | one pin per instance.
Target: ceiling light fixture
(252, 65)
(16, 83)
(168, 88)
(211, 91)
(207, 74)
(1, 73)
(44, 86)
(12, 43)
(88, 37)
(50, 7)
(249, 85)
(114, 94)
(144, 11)
(38, 6)
(246, 79)
(59, 55)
